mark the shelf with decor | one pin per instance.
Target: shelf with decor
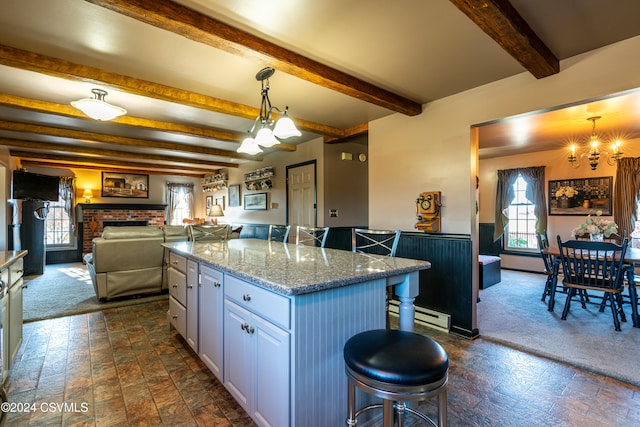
(214, 182)
(259, 179)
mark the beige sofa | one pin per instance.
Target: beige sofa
(129, 261)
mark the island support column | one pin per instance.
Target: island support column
(407, 287)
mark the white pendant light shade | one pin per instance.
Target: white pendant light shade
(265, 138)
(285, 128)
(249, 146)
(97, 108)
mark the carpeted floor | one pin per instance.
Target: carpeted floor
(66, 289)
(511, 313)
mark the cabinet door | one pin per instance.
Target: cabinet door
(210, 315)
(271, 406)
(15, 319)
(178, 285)
(238, 354)
(192, 304)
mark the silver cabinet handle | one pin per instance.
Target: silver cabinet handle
(189, 286)
(174, 316)
(246, 297)
(216, 284)
(174, 286)
(248, 329)
(174, 262)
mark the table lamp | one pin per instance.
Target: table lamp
(215, 211)
(88, 195)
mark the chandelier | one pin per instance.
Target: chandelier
(594, 153)
(97, 108)
(265, 130)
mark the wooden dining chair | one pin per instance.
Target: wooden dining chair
(551, 265)
(594, 266)
(311, 236)
(278, 233)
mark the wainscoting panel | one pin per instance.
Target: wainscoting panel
(447, 286)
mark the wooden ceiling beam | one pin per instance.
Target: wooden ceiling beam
(83, 162)
(120, 140)
(502, 22)
(103, 153)
(350, 133)
(60, 165)
(178, 19)
(60, 68)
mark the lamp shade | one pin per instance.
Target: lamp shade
(215, 210)
(87, 193)
(249, 146)
(265, 138)
(285, 128)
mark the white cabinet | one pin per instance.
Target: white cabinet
(192, 304)
(257, 351)
(178, 293)
(15, 308)
(210, 319)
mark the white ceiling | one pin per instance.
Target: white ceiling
(419, 50)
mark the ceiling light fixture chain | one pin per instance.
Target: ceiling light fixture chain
(594, 154)
(266, 131)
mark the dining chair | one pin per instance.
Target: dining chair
(311, 236)
(550, 269)
(278, 233)
(379, 242)
(594, 266)
(208, 233)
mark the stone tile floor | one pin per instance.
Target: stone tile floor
(125, 367)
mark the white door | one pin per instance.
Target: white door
(302, 196)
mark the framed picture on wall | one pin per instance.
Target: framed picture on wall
(580, 196)
(234, 195)
(255, 202)
(125, 185)
(209, 203)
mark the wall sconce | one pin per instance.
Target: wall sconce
(88, 195)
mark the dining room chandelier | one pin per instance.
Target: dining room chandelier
(265, 130)
(97, 108)
(594, 154)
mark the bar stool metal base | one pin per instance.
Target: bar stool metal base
(395, 398)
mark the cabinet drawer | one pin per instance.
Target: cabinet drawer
(178, 316)
(266, 304)
(178, 262)
(178, 285)
(16, 270)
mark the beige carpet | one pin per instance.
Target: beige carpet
(65, 290)
(511, 313)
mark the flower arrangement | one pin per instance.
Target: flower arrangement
(596, 225)
(568, 191)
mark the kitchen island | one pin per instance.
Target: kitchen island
(270, 319)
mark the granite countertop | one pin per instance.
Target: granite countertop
(8, 257)
(294, 269)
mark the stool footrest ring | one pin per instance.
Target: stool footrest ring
(398, 406)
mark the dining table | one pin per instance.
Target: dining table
(631, 258)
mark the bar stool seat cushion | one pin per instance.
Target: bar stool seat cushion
(396, 357)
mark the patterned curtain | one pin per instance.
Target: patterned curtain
(534, 176)
(177, 193)
(67, 193)
(626, 194)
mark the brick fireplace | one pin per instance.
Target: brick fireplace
(94, 215)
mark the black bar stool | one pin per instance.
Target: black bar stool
(398, 366)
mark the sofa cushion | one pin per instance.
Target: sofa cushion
(133, 232)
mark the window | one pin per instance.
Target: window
(635, 234)
(58, 228)
(180, 197)
(521, 229)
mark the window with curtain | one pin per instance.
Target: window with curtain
(180, 203)
(60, 221)
(520, 197)
(626, 199)
(521, 228)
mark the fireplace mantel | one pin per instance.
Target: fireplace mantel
(147, 206)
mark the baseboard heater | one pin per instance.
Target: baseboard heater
(424, 316)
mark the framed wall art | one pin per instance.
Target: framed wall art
(125, 185)
(580, 196)
(209, 203)
(234, 195)
(255, 202)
